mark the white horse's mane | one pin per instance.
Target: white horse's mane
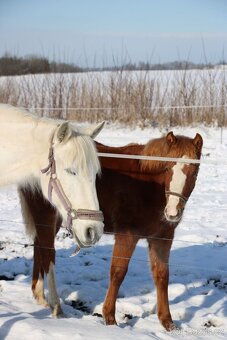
(83, 154)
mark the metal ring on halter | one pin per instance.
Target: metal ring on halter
(73, 213)
(53, 176)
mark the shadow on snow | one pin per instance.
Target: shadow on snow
(82, 281)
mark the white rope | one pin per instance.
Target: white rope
(162, 159)
(123, 109)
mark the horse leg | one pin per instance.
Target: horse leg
(38, 277)
(51, 282)
(122, 252)
(42, 223)
(159, 256)
(44, 263)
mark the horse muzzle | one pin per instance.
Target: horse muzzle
(89, 233)
(86, 235)
(173, 212)
(173, 218)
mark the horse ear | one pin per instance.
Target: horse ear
(198, 141)
(171, 139)
(93, 131)
(64, 132)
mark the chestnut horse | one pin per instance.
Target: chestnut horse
(139, 199)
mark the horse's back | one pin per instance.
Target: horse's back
(9, 113)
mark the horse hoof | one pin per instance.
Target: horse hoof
(59, 316)
(57, 312)
(110, 321)
(169, 326)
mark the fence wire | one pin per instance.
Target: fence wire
(176, 265)
(147, 237)
(181, 107)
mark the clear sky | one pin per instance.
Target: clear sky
(101, 32)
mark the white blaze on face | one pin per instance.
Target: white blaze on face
(176, 185)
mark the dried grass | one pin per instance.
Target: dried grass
(148, 98)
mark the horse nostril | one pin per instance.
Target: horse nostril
(90, 234)
(174, 218)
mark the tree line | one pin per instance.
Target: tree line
(13, 65)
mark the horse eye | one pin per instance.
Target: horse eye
(71, 172)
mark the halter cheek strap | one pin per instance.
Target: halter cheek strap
(54, 184)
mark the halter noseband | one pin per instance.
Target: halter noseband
(54, 183)
(173, 193)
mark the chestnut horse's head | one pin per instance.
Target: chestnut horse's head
(180, 177)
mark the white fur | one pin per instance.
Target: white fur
(39, 292)
(27, 216)
(24, 147)
(176, 185)
(53, 298)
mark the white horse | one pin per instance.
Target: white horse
(68, 181)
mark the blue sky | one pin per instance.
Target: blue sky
(101, 32)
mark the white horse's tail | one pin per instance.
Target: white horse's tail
(27, 216)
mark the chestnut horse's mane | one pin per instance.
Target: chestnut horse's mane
(158, 147)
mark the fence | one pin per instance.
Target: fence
(152, 109)
(177, 265)
(139, 157)
(168, 159)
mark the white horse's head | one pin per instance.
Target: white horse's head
(76, 165)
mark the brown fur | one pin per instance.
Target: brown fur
(132, 197)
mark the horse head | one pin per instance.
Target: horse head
(69, 181)
(180, 178)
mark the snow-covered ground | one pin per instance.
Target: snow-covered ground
(198, 267)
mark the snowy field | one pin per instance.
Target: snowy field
(198, 267)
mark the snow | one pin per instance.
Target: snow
(198, 266)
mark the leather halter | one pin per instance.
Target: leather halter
(54, 183)
(173, 193)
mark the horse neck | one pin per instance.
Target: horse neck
(120, 164)
(139, 169)
(24, 144)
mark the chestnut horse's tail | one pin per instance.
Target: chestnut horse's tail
(26, 214)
